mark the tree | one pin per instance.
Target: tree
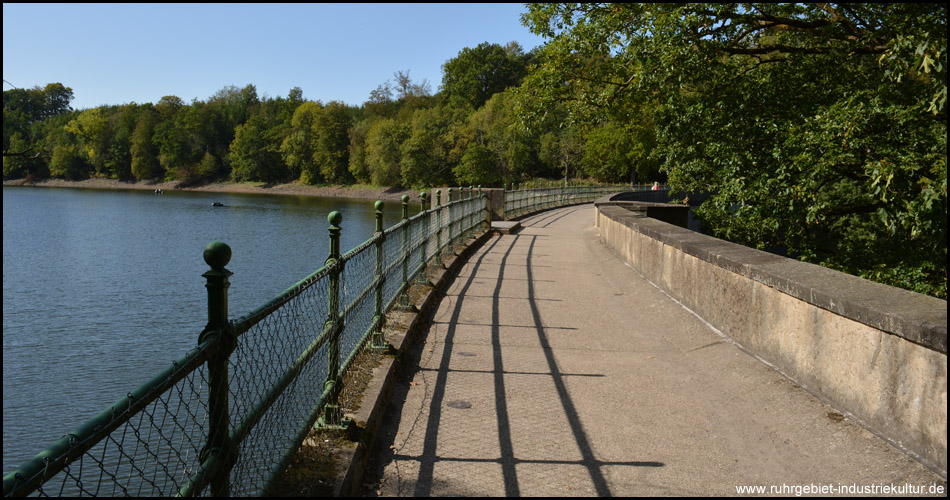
(818, 129)
(620, 152)
(514, 148)
(383, 142)
(254, 155)
(405, 88)
(18, 166)
(22, 108)
(297, 148)
(119, 157)
(476, 74)
(425, 159)
(176, 153)
(398, 95)
(359, 167)
(92, 129)
(331, 142)
(68, 163)
(477, 167)
(144, 152)
(562, 149)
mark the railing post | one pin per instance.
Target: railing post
(438, 227)
(379, 319)
(486, 206)
(425, 219)
(472, 216)
(219, 448)
(461, 216)
(465, 216)
(332, 414)
(451, 241)
(471, 211)
(521, 199)
(404, 303)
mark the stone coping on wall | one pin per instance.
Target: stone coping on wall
(915, 317)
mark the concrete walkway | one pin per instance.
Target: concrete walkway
(552, 369)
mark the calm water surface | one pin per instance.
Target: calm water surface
(102, 289)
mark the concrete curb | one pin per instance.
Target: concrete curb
(874, 352)
(915, 317)
(376, 397)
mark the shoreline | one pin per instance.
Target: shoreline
(285, 189)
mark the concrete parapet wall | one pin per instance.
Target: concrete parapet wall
(874, 352)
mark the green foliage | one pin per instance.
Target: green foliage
(514, 148)
(25, 114)
(358, 167)
(615, 152)
(118, 157)
(562, 150)
(297, 148)
(330, 142)
(37, 104)
(383, 142)
(21, 165)
(255, 156)
(145, 165)
(69, 163)
(208, 167)
(476, 74)
(819, 130)
(94, 136)
(425, 159)
(477, 167)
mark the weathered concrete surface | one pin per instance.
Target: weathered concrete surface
(551, 368)
(505, 226)
(875, 352)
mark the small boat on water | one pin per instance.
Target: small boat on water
(217, 204)
(159, 191)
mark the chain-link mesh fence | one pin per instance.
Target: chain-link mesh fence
(525, 199)
(283, 367)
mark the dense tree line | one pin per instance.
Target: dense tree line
(813, 130)
(818, 130)
(403, 135)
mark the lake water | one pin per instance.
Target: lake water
(102, 289)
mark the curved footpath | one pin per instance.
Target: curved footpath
(552, 369)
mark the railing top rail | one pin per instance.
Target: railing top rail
(57, 456)
(245, 322)
(261, 392)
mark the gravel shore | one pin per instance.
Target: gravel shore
(292, 189)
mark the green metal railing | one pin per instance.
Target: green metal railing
(226, 418)
(522, 199)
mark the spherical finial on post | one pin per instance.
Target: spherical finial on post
(405, 206)
(422, 198)
(335, 218)
(217, 255)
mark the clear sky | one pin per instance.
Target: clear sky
(121, 53)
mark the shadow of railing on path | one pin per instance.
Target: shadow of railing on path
(426, 478)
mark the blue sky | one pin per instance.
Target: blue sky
(120, 53)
